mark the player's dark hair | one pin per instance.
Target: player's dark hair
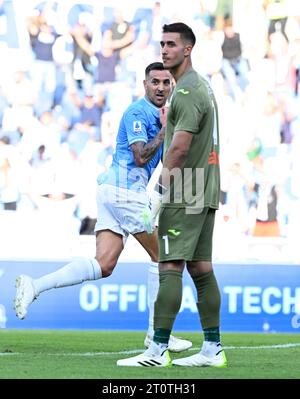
(155, 66)
(185, 31)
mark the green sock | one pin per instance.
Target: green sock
(212, 334)
(209, 300)
(161, 336)
(167, 304)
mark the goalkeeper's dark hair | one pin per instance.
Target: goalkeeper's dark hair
(186, 33)
(155, 66)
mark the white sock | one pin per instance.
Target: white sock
(153, 286)
(157, 348)
(73, 273)
(210, 348)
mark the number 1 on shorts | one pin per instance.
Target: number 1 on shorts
(166, 240)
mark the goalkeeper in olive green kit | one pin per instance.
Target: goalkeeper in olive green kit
(190, 188)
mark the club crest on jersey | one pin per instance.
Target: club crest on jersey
(137, 126)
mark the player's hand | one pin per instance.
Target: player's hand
(163, 113)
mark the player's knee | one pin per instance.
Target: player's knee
(107, 266)
(106, 273)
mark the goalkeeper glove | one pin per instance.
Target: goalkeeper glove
(150, 213)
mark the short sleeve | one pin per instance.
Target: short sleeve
(136, 126)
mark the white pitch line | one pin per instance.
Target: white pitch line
(134, 351)
(280, 346)
(9, 353)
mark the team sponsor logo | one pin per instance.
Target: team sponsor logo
(137, 126)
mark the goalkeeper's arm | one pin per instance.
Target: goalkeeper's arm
(156, 201)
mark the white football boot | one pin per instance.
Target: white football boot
(25, 295)
(212, 354)
(156, 355)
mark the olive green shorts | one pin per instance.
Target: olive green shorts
(184, 236)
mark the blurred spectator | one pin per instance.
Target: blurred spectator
(293, 33)
(234, 65)
(20, 91)
(264, 195)
(108, 59)
(268, 126)
(91, 111)
(9, 32)
(276, 12)
(158, 19)
(83, 61)
(21, 96)
(39, 157)
(43, 73)
(142, 25)
(80, 135)
(208, 12)
(236, 194)
(51, 132)
(224, 9)
(278, 53)
(63, 55)
(91, 108)
(31, 137)
(122, 33)
(9, 192)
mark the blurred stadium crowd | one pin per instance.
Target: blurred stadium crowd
(75, 66)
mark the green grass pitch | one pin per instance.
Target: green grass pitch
(40, 354)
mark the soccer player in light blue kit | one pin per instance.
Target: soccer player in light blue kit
(122, 202)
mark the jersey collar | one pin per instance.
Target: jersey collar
(151, 104)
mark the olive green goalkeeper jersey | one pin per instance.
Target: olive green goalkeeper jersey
(193, 109)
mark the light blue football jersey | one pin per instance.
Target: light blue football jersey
(140, 122)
